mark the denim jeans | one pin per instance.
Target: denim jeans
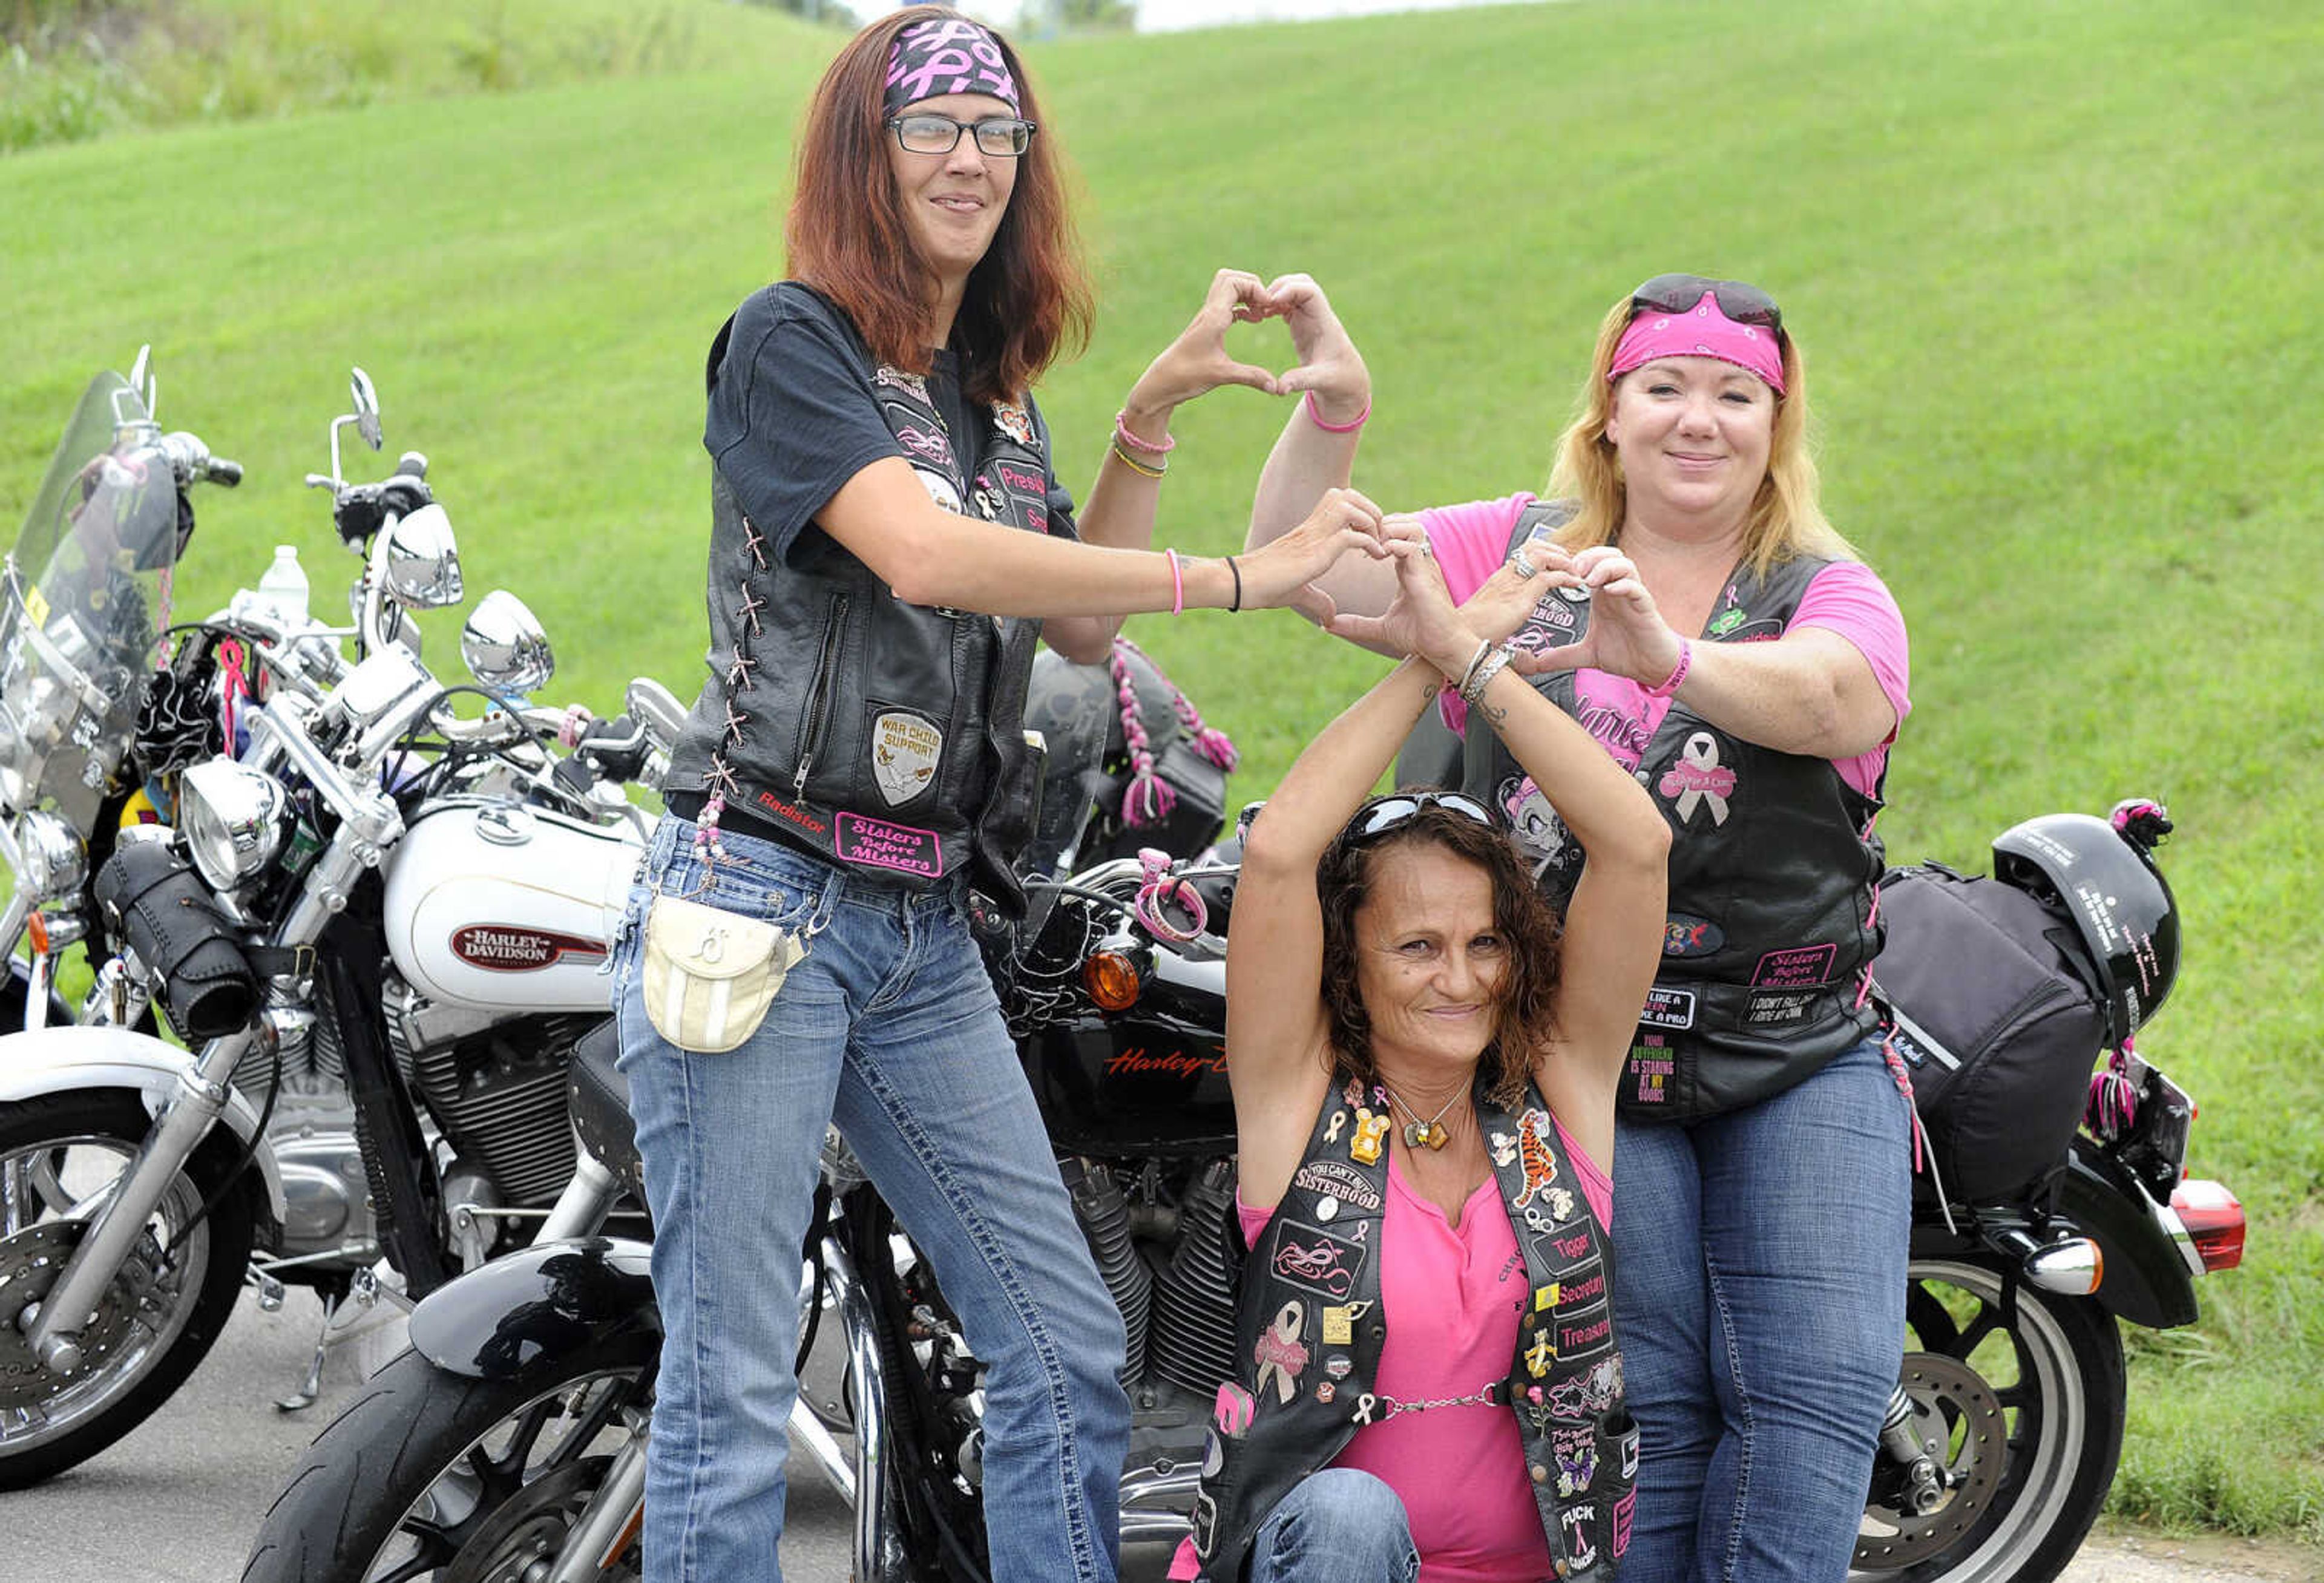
(890, 1027)
(1340, 1526)
(1760, 1294)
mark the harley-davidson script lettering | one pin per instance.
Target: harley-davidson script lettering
(502, 949)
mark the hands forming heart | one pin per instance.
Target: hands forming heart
(1327, 363)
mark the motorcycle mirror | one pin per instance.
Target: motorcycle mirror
(141, 376)
(366, 414)
(505, 646)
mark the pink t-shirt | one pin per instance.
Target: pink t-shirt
(1451, 1297)
(1845, 597)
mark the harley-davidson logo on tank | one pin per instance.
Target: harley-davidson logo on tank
(502, 948)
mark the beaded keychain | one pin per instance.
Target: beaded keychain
(1149, 798)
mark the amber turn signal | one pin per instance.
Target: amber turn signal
(1112, 980)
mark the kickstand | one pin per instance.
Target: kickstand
(304, 1397)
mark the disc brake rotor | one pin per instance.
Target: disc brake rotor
(1948, 1398)
(517, 1542)
(29, 1262)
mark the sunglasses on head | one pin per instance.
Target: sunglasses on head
(1745, 305)
(1377, 819)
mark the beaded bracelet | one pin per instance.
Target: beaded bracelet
(1316, 413)
(1168, 444)
(1678, 672)
(1143, 469)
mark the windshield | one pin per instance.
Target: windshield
(85, 597)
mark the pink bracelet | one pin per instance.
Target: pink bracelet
(1316, 414)
(1122, 432)
(1678, 672)
(1177, 584)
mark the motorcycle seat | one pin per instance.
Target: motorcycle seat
(599, 1099)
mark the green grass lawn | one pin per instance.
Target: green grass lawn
(2054, 265)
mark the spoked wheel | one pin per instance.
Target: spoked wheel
(62, 1156)
(2025, 1411)
(435, 1475)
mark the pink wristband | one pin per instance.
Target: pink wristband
(1678, 672)
(1315, 414)
(1146, 446)
(1177, 584)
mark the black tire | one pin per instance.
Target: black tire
(161, 1315)
(2031, 1410)
(430, 1475)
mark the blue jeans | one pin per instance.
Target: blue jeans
(1760, 1294)
(1340, 1526)
(888, 1026)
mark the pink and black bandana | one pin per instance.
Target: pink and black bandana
(1701, 331)
(947, 55)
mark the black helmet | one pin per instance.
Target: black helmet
(2100, 873)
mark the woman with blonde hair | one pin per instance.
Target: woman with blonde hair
(1725, 646)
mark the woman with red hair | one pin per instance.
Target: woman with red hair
(887, 535)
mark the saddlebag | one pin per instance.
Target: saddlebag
(156, 904)
(1988, 999)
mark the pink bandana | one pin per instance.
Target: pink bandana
(947, 55)
(1702, 331)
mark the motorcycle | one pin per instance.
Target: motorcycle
(374, 923)
(519, 1416)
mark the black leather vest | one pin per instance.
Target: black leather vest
(874, 733)
(1772, 872)
(1309, 1319)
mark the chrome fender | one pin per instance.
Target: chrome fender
(57, 1059)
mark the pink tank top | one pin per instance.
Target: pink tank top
(1451, 1297)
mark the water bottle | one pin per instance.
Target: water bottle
(284, 586)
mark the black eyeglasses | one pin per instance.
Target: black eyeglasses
(1377, 818)
(1745, 305)
(1003, 136)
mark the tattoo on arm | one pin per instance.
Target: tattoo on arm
(1495, 715)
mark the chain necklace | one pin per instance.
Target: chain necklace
(1431, 1134)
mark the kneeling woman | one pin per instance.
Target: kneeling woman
(1423, 1079)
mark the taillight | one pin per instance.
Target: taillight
(2214, 1219)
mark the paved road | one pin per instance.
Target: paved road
(178, 1501)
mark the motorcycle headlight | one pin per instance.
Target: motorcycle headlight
(51, 860)
(232, 819)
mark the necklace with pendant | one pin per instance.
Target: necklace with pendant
(1431, 1134)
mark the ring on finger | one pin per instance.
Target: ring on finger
(1522, 565)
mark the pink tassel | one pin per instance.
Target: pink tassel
(1149, 798)
(1213, 744)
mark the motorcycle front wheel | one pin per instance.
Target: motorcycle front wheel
(2025, 1405)
(434, 1474)
(60, 1157)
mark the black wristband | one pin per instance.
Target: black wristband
(1236, 572)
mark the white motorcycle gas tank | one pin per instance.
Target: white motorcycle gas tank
(493, 905)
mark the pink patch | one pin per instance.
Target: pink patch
(1799, 967)
(880, 844)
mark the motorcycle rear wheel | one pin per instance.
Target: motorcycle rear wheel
(2030, 1411)
(59, 1154)
(433, 1474)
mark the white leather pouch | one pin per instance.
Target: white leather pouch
(711, 975)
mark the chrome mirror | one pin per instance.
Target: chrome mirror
(423, 560)
(504, 645)
(366, 413)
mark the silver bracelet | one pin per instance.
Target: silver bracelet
(1481, 676)
(1484, 646)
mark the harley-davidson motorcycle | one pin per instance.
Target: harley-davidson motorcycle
(374, 923)
(509, 1442)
